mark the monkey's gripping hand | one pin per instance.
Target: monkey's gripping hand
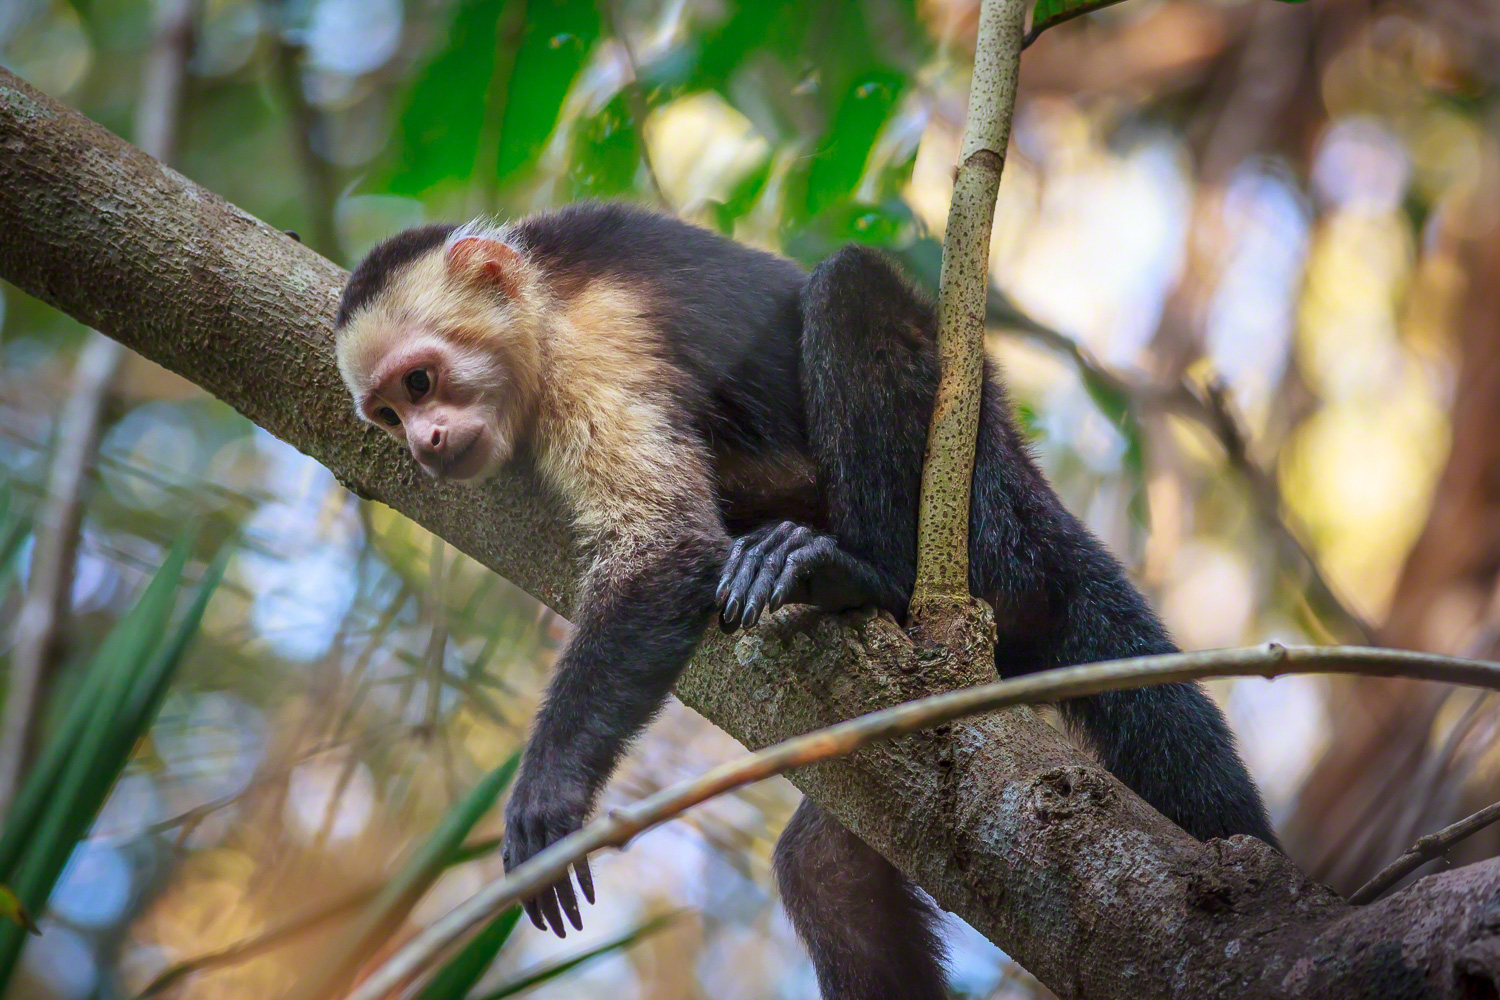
(543, 809)
(790, 563)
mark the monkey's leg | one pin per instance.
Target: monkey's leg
(869, 376)
(871, 933)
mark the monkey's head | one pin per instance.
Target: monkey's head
(438, 339)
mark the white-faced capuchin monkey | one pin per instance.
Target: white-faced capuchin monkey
(732, 434)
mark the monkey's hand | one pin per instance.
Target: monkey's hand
(543, 809)
(790, 563)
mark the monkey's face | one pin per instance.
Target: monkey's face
(446, 404)
(445, 357)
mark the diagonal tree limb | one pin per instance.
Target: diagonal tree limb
(1025, 838)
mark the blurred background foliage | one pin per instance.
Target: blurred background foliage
(1247, 266)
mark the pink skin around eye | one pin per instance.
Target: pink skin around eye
(444, 428)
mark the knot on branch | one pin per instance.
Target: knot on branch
(1069, 790)
(985, 159)
(954, 639)
(1212, 892)
(1238, 868)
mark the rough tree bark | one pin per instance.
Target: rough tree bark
(1021, 835)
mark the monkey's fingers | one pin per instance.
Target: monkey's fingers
(547, 900)
(508, 859)
(731, 567)
(585, 879)
(749, 569)
(789, 582)
(534, 911)
(564, 888)
(770, 571)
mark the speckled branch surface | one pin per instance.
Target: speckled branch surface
(947, 470)
(997, 816)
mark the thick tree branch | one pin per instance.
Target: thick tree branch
(1022, 836)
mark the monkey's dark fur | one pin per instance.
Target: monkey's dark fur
(812, 394)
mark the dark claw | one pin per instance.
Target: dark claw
(569, 901)
(547, 900)
(534, 912)
(585, 880)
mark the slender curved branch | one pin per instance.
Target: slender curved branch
(1424, 850)
(621, 825)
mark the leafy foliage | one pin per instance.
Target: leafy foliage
(389, 908)
(113, 708)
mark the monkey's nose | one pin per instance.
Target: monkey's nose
(431, 448)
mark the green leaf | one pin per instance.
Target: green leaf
(708, 59)
(459, 974)
(555, 969)
(12, 909)
(558, 37)
(13, 531)
(606, 154)
(889, 225)
(389, 908)
(838, 162)
(140, 666)
(1047, 13)
(105, 679)
(440, 128)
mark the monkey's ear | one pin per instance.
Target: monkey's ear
(490, 261)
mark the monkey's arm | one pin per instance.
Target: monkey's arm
(633, 633)
(643, 501)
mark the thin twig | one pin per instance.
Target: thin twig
(948, 468)
(40, 622)
(619, 826)
(638, 107)
(1424, 850)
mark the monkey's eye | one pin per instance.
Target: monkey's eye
(388, 416)
(417, 383)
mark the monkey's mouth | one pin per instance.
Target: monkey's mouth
(465, 464)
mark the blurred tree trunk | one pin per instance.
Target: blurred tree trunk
(1397, 766)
